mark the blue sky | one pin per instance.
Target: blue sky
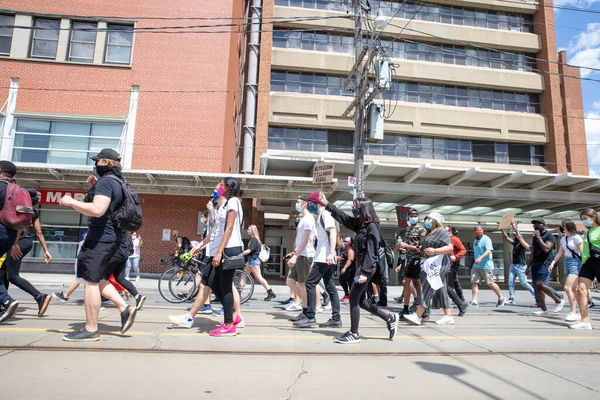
(583, 48)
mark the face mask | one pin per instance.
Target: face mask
(102, 170)
(344, 245)
(588, 223)
(298, 208)
(356, 211)
(134, 237)
(413, 220)
(313, 208)
(427, 224)
(561, 229)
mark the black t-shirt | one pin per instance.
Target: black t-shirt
(539, 255)
(102, 229)
(518, 254)
(3, 186)
(255, 247)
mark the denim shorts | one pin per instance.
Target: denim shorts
(572, 266)
(254, 262)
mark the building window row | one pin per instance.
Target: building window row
(413, 92)
(59, 142)
(318, 140)
(447, 54)
(429, 12)
(83, 39)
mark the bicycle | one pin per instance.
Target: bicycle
(179, 282)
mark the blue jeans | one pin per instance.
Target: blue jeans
(539, 272)
(518, 270)
(572, 266)
(135, 263)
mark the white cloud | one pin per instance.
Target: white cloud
(573, 3)
(592, 133)
(584, 50)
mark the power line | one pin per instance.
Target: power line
(568, 8)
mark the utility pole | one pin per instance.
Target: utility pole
(359, 120)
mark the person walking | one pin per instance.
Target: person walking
(519, 262)
(365, 223)
(542, 254)
(453, 284)
(134, 259)
(347, 261)
(590, 269)
(571, 247)
(411, 242)
(324, 263)
(12, 266)
(64, 296)
(483, 267)
(254, 263)
(437, 247)
(102, 200)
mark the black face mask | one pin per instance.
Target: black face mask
(102, 170)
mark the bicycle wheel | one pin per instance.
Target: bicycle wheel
(176, 285)
(244, 283)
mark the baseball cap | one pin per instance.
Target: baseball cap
(8, 167)
(437, 216)
(539, 221)
(314, 197)
(108, 154)
(413, 211)
(303, 197)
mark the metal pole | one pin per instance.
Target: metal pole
(359, 137)
(252, 87)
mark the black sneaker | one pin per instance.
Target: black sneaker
(127, 318)
(326, 299)
(399, 300)
(270, 296)
(8, 309)
(463, 308)
(60, 296)
(392, 325)
(305, 322)
(139, 302)
(331, 323)
(43, 303)
(82, 336)
(591, 304)
(348, 338)
(297, 317)
(286, 301)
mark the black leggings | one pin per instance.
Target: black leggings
(221, 286)
(12, 268)
(358, 300)
(119, 273)
(346, 280)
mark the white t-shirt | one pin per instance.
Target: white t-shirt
(323, 247)
(136, 247)
(216, 234)
(573, 243)
(235, 240)
(307, 223)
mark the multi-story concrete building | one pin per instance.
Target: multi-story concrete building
(485, 117)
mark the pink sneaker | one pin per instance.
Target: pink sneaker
(239, 321)
(346, 299)
(223, 330)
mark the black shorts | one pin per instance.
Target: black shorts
(206, 270)
(413, 268)
(591, 269)
(93, 260)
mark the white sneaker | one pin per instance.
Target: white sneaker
(137, 278)
(540, 312)
(294, 307)
(572, 317)
(446, 320)
(474, 304)
(413, 318)
(559, 306)
(286, 305)
(127, 277)
(183, 321)
(511, 300)
(319, 309)
(328, 306)
(581, 325)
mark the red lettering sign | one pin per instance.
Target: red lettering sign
(52, 197)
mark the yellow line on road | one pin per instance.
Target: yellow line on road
(254, 336)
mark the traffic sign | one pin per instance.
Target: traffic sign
(351, 181)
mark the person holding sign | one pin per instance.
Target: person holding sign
(434, 270)
(519, 262)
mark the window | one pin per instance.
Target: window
(519, 154)
(119, 43)
(61, 142)
(6, 34)
(45, 38)
(83, 41)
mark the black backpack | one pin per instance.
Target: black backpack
(129, 216)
